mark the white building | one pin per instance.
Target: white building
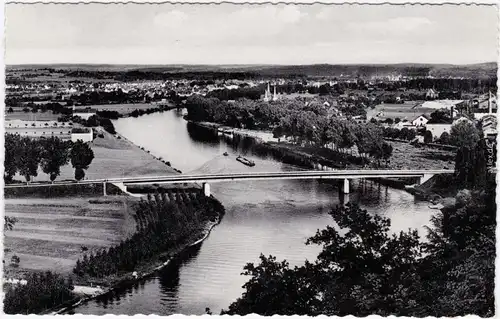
(431, 94)
(489, 124)
(39, 129)
(438, 128)
(420, 120)
(78, 134)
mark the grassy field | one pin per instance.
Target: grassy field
(114, 158)
(406, 156)
(124, 109)
(406, 111)
(50, 232)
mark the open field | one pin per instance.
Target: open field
(123, 109)
(114, 158)
(50, 232)
(408, 111)
(406, 156)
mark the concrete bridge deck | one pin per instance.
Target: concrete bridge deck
(345, 175)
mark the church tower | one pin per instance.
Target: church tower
(267, 96)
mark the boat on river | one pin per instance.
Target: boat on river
(245, 161)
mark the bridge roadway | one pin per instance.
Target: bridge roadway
(346, 175)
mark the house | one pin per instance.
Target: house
(485, 102)
(431, 94)
(437, 129)
(405, 124)
(84, 134)
(420, 120)
(38, 129)
(489, 126)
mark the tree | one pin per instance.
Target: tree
(28, 157)
(9, 223)
(386, 151)
(444, 138)
(465, 134)
(428, 137)
(275, 288)
(55, 154)
(14, 261)
(12, 151)
(471, 169)
(361, 270)
(10, 110)
(81, 156)
(461, 254)
(404, 133)
(440, 116)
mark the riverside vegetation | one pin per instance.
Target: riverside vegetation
(363, 270)
(166, 222)
(303, 124)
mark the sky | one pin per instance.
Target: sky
(249, 34)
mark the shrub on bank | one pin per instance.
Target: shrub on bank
(43, 291)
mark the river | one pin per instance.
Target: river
(270, 217)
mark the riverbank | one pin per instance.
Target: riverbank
(438, 189)
(404, 155)
(45, 226)
(145, 270)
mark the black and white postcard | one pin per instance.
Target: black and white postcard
(288, 159)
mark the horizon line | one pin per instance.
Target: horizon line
(250, 64)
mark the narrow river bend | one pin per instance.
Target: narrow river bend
(271, 217)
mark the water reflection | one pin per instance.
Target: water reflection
(270, 217)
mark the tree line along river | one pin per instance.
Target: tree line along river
(270, 217)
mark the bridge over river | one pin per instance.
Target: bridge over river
(205, 179)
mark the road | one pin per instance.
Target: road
(203, 178)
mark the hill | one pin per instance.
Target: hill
(482, 70)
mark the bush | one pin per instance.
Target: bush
(14, 261)
(427, 137)
(79, 174)
(42, 291)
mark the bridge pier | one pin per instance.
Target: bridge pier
(344, 199)
(104, 189)
(345, 186)
(206, 189)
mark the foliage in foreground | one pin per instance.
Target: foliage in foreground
(364, 270)
(43, 291)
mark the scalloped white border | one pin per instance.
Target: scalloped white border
(434, 2)
(338, 2)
